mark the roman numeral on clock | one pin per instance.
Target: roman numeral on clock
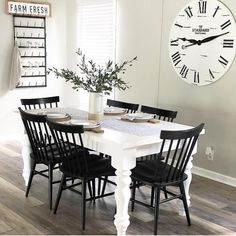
(184, 71)
(228, 43)
(225, 25)
(223, 61)
(176, 58)
(196, 77)
(216, 11)
(178, 25)
(174, 42)
(211, 74)
(202, 6)
(189, 12)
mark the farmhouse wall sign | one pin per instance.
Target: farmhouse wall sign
(28, 8)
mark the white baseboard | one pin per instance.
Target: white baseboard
(214, 176)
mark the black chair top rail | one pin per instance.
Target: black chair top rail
(162, 114)
(131, 107)
(38, 103)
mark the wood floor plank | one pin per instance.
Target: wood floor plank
(12, 192)
(17, 222)
(215, 228)
(4, 227)
(231, 208)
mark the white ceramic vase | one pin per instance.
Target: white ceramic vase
(95, 106)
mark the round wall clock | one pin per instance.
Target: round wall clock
(202, 41)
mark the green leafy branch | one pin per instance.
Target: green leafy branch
(95, 78)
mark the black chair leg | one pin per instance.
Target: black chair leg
(90, 189)
(156, 214)
(104, 185)
(165, 193)
(83, 204)
(182, 190)
(152, 196)
(50, 179)
(30, 178)
(133, 195)
(94, 188)
(99, 186)
(63, 180)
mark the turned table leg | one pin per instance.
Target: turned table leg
(122, 196)
(187, 182)
(123, 162)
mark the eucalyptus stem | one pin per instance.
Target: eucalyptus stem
(93, 77)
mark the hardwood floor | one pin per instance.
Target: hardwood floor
(213, 210)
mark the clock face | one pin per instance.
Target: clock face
(202, 41)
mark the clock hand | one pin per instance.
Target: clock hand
(199, 42)
(208, 39)
(189, 40)
(189, 45)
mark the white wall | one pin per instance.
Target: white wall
(143, 30)
(72, 97)
(139, 34)
(10, 122)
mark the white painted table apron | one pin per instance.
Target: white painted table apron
(124, 142)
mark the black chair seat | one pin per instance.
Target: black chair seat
(51, 152)
(155, 172)
(96, 165)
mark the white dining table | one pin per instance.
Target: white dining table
(124, 141)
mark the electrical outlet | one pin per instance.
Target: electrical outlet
(210, 153)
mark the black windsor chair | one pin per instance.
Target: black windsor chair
(43, 150)
(77, 163)
(168, 172)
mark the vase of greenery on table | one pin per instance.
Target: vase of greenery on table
(95, 79)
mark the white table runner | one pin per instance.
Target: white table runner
(115, 123)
